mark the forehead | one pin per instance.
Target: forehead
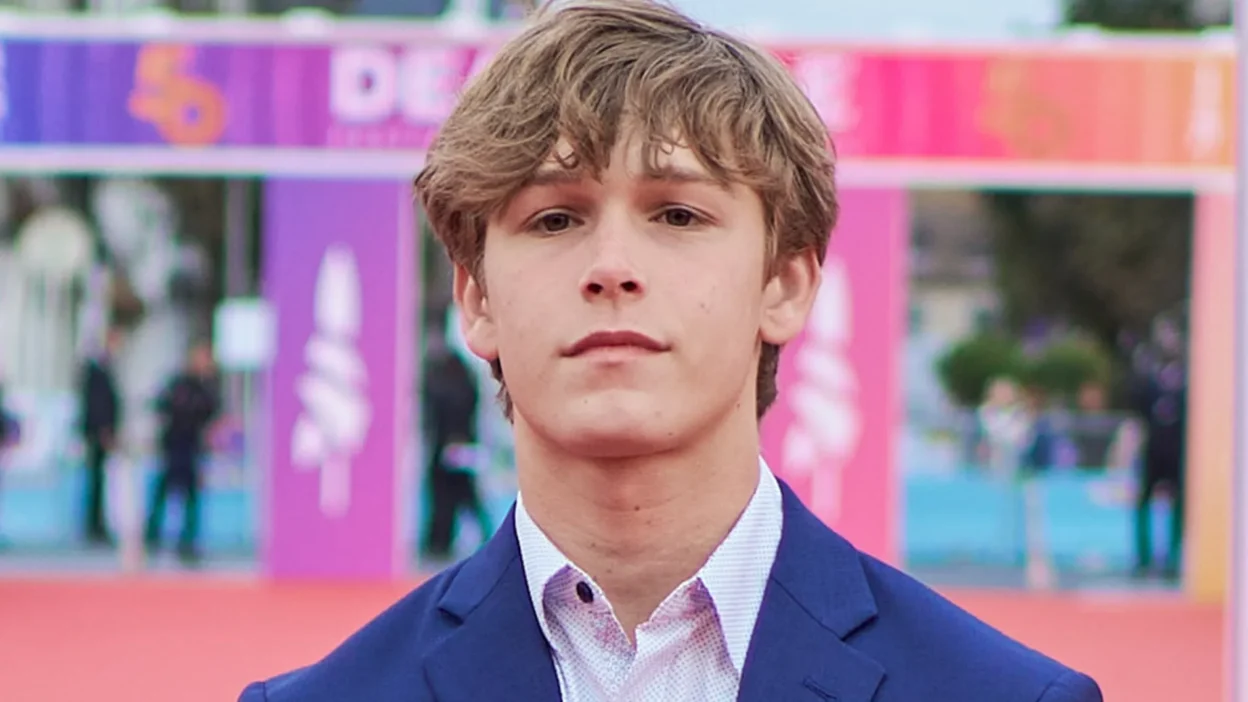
(631, 158)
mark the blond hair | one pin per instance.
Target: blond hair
(585, 72)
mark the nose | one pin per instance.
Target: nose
(612, 273)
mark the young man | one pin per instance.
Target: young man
(637, 208)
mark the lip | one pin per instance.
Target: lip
(623, 340)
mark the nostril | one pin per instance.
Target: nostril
(629, 286)
(595, 288)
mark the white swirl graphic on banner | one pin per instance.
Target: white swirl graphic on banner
(336, 411)
(827, 423)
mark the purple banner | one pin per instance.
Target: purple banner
(340, 264)
(114, 93)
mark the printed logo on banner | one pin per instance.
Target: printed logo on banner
(826, 426)
(382, 97)
(185, 109)
(336, 414)
(1029, 123)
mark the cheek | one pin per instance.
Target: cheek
(523, 318)
(725, 318)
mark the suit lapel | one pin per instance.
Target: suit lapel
(816, 598)
(498, 651)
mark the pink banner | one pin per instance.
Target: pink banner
(340, 272)
(1109, 106)
(833, 431)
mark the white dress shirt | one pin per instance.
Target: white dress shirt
(692, 648)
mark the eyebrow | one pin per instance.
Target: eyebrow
(554, 176)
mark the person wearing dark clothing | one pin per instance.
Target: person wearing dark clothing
(8, 432)
(1162, 402)
(101, 417)
(187, 407)
(8, 425)
(450, 419)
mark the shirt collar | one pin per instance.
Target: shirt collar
(735, 575)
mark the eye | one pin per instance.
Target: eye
(679, 217)
(554, 222)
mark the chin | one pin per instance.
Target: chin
(610, 430)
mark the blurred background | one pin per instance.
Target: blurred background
(228, 354)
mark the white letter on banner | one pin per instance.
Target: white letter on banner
(431, 79)
(363, 84)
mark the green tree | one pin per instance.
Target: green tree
(969, 366)
(1160, 15)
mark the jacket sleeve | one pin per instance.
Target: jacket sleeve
(1069, 687)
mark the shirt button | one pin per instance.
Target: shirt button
(584, 592)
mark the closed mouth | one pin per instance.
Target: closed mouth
(615, 340)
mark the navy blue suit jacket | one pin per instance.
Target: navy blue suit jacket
(835, 624)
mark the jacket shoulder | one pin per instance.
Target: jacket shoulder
(381, 661)
(933, 649)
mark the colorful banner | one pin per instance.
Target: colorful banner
(1108, 107)
(340, 264)
(833, 432)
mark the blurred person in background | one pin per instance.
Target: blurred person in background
(1161, 400)
(1004, 426)
(9, 430)
(1016, 448)
(187, 408)
(450, 418)
(101, 417)
(1038, 457)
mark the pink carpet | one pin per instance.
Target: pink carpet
(201, 639)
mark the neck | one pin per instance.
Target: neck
(640, 526)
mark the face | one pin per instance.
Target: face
(1167, 337)
(1092, 398)
(627, 310)
(1002, 392)
(201, 360)
(113, 342)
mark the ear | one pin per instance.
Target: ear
(789, 296)
(474, 315)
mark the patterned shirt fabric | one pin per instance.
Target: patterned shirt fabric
(692, 648)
